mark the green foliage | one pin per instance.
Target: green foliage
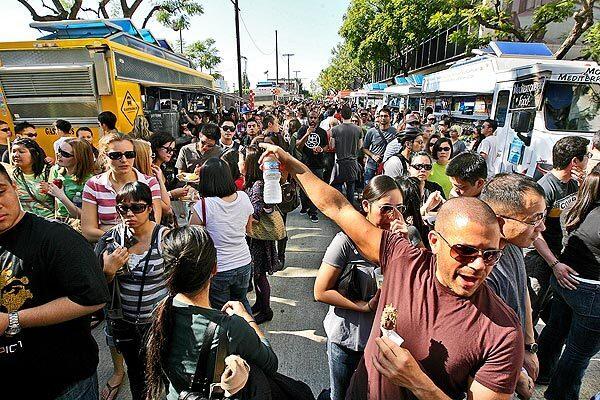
(203, 54)
(591, 40)
(176, 14)
(343, 71)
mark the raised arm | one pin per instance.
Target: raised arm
(332, 203)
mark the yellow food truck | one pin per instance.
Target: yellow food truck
(83, 67)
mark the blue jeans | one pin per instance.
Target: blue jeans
(369, 173)
(350, 189)
(85, 389)
(574, 319)
(342, 363)
(231, 285)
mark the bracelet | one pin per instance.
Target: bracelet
(251, 321)
(554, 263)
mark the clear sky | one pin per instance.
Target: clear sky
(306, 28)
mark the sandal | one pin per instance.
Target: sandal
(113, 391)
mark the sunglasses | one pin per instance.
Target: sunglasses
(389, 209)
(168, 150)
(136, 208)
(117, 155)
(420, 167)
(31, 135)
(444, 149)
(228, 128)
(5, 129)
(465, 254)
(535, 223)
(64, 154)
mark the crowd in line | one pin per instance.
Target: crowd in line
(469, 260)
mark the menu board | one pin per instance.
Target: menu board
(527, 94)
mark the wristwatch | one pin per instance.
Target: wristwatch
(532, 348)
(13, 324)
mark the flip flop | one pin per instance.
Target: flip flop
(113, 391)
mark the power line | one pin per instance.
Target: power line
(252, 39)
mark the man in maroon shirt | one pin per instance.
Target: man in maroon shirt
(459, 337)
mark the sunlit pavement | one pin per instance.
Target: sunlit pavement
(296, 332)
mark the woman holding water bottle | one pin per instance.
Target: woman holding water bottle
(74, 166)
(350, 318)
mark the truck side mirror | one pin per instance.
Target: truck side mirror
(522, 123)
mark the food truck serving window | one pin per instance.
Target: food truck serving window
(572, 107)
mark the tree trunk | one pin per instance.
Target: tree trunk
(584, 19)
(150, 14)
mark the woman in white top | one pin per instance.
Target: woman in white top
(227, 214)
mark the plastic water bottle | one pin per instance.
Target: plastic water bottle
(77, 199)
(271, 177)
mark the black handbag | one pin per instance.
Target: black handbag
(349, 283)
(201, 386)
(290, 200)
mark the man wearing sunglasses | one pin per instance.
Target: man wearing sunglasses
(195, 154)
(459, 337)
(4, 137)
(227, 132)
(519, 201)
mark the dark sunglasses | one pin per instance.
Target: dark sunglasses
(228, 128)
(64, 154)
(465, 254)
(117, 155)
(419, 167)
(444, 149)
(5, 129)
(389, 209)
(168, 150)
(135, 208)
(31, 135)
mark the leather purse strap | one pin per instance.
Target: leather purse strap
(200, 381)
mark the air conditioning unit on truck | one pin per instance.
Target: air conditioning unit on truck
(535, 99)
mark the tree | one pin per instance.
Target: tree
(498, 21)
(204, 54)
(377, 30)
(166, 11)
(345, 71)
(592, 42)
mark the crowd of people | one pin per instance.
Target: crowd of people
(436, 283)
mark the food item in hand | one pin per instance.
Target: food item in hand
(58, 183)
(388, 317)
(188, 176)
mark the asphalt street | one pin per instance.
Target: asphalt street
(296, 332)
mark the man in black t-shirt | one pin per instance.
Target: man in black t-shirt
(50, 282)
(311, 142)
(569, 160)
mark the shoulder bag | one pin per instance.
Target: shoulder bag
(380, 165)
(116, 325)
(270, 226)
(289, 195)
(349, 282)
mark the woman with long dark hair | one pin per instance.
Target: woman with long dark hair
(575, 312)
(264, 252)
(226, 213)
(431, 194)
(348, 322)
(183, 317)
(441, 153)
(137, 264)
(417, 230)
(29, 174)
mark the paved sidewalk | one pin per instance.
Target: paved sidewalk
(296, 332)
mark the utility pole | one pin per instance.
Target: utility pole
(288, 55)
(276, 61)
(297, 82)
(237, 38)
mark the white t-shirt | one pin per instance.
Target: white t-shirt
(226, 225)
(489, 146)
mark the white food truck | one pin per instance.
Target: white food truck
(535, 99)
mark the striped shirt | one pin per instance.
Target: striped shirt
(154, 284)
(98, 190)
